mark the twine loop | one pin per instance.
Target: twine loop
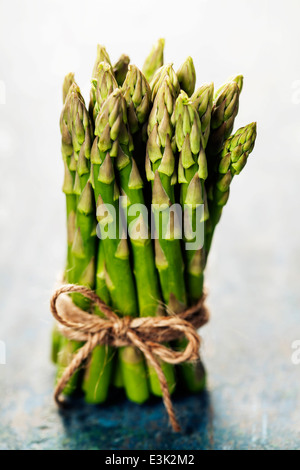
(145, 333)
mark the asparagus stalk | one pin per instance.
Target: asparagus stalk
(68, 185)
(76, 135)
(102, 56)
(159, 77)
(96, 384)
(192, 374)
(84, 244)
(137, 96)
(117, 379)
(238, 79)
(231, 161)
(160, 164)
(137, 100)
(192, 172)
(202, 99)
(99, 370)
(120, 69)
(68, 81)
(70, 166)
(58, 341)
(160, 170)
(111, 132)
(154, 60)
(167, 71)
(224, 111)
(187, 76)
(103, 85)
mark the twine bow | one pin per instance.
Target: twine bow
(144, 333)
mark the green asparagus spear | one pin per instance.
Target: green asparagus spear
(202, 99)
(59, 342)
(137, 93)
(117, 379)
(97, 381)
(101, 287)
(56, 339)
(132, 191)
(68, 81)
(238, 79)
(103, 85)
(159, 77)
(231, 161)
(68, 184)
(120, 68)
(84, 244)
(98, 375)
(154, 60)
(224, 111)
(102, 56)
(68, 189)
(160, 169)
(76, 137)
(192, 173)
(187, 76)
(111, 132)
(137, 96)
(99, 369)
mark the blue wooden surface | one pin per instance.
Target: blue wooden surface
(252, 400)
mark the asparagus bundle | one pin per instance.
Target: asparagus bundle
(150, 162)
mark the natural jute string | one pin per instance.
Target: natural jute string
(145, 333)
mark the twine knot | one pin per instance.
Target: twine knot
(120, 327)
(145, 333)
